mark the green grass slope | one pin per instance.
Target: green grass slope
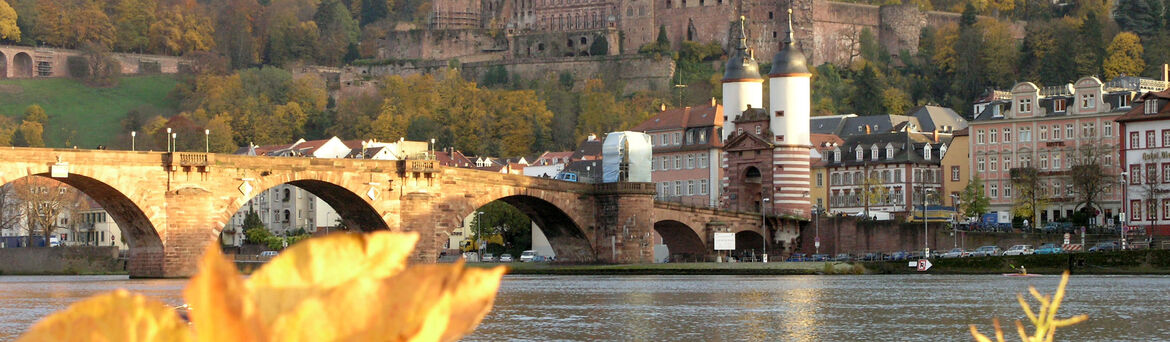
(80, 115)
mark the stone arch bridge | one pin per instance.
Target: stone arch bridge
(171, 205)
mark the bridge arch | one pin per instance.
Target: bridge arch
(567, 238)
(682, 241)
(3, 65)
(22, 65)
(144, 242)
(354, 210)
(748, 242)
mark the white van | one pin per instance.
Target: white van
(528, 256)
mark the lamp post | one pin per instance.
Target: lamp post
(956, 201)
(764, 223)
(168, 137)
(175, 142)
(133, 135)
(817, 225)
(432, 156)
(1124, 200)
(925, 228)
(206, 141)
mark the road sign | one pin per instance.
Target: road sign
(1067, 238)
(923, 265)
(725, 241)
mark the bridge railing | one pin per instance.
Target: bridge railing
(626, 187)
(187, 160)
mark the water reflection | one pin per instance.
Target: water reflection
(702, 308)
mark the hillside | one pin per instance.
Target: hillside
(81, 115)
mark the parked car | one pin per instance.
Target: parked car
(1049, 248)
(268, 254)
(820, 257)
(956, 253)
(506, 257)
(843, 257)
(872, 257)
(987, 251)
(899, 255)
(528, 256)
(796, 257)
(489, 257)
(1104, 246)
(1020, 250)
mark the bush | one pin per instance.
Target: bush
(78, 67)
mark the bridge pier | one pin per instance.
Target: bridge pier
(189, 227)
(625, 223)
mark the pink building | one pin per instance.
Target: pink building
(686, 153)
(1044, 127)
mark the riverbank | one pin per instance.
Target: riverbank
(1153, 261)
(705, 268)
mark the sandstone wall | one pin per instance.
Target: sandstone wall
(57, 62)
(60, 260)
(636, 72)
(463, 44)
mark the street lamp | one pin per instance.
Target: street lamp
(206, 141)
(764, 222)
(955, 199)
(1124, 200)
(479, 233)
(175, 142)
(817, 225)
(133, 135)
(169, 140)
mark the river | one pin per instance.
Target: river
(717, 308)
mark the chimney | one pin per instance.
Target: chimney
(935, 135)
(866, 129)
(661, 107)
(712, 101)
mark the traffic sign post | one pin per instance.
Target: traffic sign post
(923, 265)
(1067, 238)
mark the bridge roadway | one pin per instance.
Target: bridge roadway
(171, 205)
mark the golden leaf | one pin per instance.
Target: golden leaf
(221, 309)
(317, 265)
(117, 316)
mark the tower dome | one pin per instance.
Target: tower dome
(742, 65)
(789, 60)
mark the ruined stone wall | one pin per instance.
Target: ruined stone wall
(634, 71)
(563, 44)
(701, 21)
(56, 61)
(838, 27)
(463, 44)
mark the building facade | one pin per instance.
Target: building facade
(686, 151)
(1145, 151)
(879, 174)
(1049, 128)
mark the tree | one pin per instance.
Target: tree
(29, 134)
(35, 113)
(874, 191)
(374, 10)
(339, 32)
(11, 212)
(867, 99)
(599, 47)
(104, 69)
(254, 230)
(178, 32)
(1089, 177)
(895, 101)
(504, 224)
(1029, 193)
(1124, 56)
(1090, 53)
(69, 23)
(9, 30)
(975, 201)
(44, 200)
(132, 20)
(1136, 16)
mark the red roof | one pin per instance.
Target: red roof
(680, 118)
(1138, 113)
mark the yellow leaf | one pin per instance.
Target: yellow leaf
(116, 316)
(317, 265)
(221, 309)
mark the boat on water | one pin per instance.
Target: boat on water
(1021, 275)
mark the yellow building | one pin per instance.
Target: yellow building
(818, 175)
(956, 167)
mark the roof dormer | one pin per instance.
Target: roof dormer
(1025, 97)
(1087, 96)
(889, 151)
(873, 152)
(837, 154)
(860, 153)
(926, 151)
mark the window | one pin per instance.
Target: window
(678, 162)
(664, 140)
(848, 178)
(837, 155)
(1025, 134)
(926, 152)
(1135, 210)
(1043, 161)
(954, 173)
(979, 137)
(994, 190)
(889, 152)
(665, 163)
(1134, 140)
(703, 161)
(992, 163)
(982, 164)
(993, 135)
(690, 187)
(1108, 129)
(690, 161)
(1007, 163)
(1007, 190)
(1151, 140)
(1056, 160)
(860, 153)
(820, 180)
(1151, 210)
(1007, 135)
(873, 152)
(1025, 105)
(1026, 159)
(1055, 132)
(677, 138)
(1043, 133)
(702, 186)
(1165, 172)
(1089, 130)
(1059, 105)
(757, 129)
(678, 188)
(690, 137)
(1151, 106)
(897, 175)
(835, 179)
(1151, 174)
(1068, 131)
(1088, 101)
(1123, 101)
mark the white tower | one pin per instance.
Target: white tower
(791, 102)
(742, 84)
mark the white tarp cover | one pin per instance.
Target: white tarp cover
(634, 148)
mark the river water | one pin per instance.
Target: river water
(721, 308)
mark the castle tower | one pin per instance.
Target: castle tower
(791, 101)
(742, 85)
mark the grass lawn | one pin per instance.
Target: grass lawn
(84, 116)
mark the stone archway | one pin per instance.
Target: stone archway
(565, 236)
(145, 245)
(3, 65)
(748, 244)
(681, 241)
(352, 209)
(22, 65)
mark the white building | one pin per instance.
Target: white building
(1145, 157)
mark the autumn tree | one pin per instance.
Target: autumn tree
(975, 202)
(873, 192)
(9, 30)
(338, 32)
(69, 23)
(1124, 56)
(35, 113)
(132, 20)
(11, 212)
(1089, 177)
(104, 68)
(179, 32)
(44, 200)
(1028, 193)
(29, 134)
(1090, 51)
